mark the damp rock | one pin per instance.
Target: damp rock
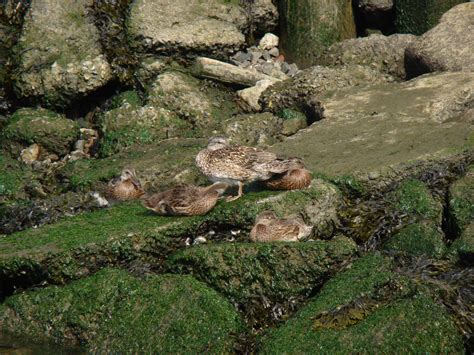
(58, 55)
(384, 53)
(191, 26)
(446, 47)
(52, 131)
(263, 15)
(205, 319)
(377, 14)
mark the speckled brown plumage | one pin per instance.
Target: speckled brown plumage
(126, 187)
(293, 179)
(238, 164)
(185, 200)
(269, 228)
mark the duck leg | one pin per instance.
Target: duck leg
(239, 194)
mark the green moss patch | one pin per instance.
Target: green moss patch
(12, 176)
(276, 270)
(114, 311)
(46, 128)
(413, 198)
(461, 202)
(409, 325)
(418, 239)
(462, 248)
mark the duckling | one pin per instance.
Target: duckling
(185, 200)
(125, 187)
(234, 165)
(298, 177)
(269, 228)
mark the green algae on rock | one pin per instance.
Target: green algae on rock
(408, 323)
(461, 202)
(417, 17)
(308, 27)
(418, 239)
(462, 248)
(46, 128)
(114, 311)
(277, 271)
(14, 177)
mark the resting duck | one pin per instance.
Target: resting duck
(269, 228)
(125, 187)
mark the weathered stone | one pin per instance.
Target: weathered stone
(210, 27)
(252, 94)
(446, 47)
(228, 73)
(268, 41)
(308, 27)
(52, 131)
(412, 16)
(30, 154)
(59, 57)
(386, 54)
(274, 52)
(376, 128)
(201, 105)
(314, 82)
(253, 129)
(201, 319)
(149, 68)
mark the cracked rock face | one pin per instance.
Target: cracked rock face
(58, 54)
(188, 26)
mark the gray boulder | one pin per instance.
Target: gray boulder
(59, 57)
(376, 14)
(264, 15)
(447, 47)
(210, 27)
(384, 53)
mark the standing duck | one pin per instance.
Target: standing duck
(298, 177)
(270, 228)
(125, 187)
(234, 165)
(185, 200)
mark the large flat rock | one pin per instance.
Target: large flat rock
(372, 128)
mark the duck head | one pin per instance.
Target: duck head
(218, 142)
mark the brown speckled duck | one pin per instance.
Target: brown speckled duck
(294, 179)
(270, 228)
(185, 200)
(235, 165)
(125, 187)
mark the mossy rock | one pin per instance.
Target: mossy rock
(303, 38)
(461, 202)
(78, 246)
(131, 124)
(202, 104)
(418, 239)
(158, 166)
(50, 130)
(403, 322)
(261, 129)
(14, 177)
(114, 311)
(417, 17)
(413, 198)
(462, 248)
(277, 271)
